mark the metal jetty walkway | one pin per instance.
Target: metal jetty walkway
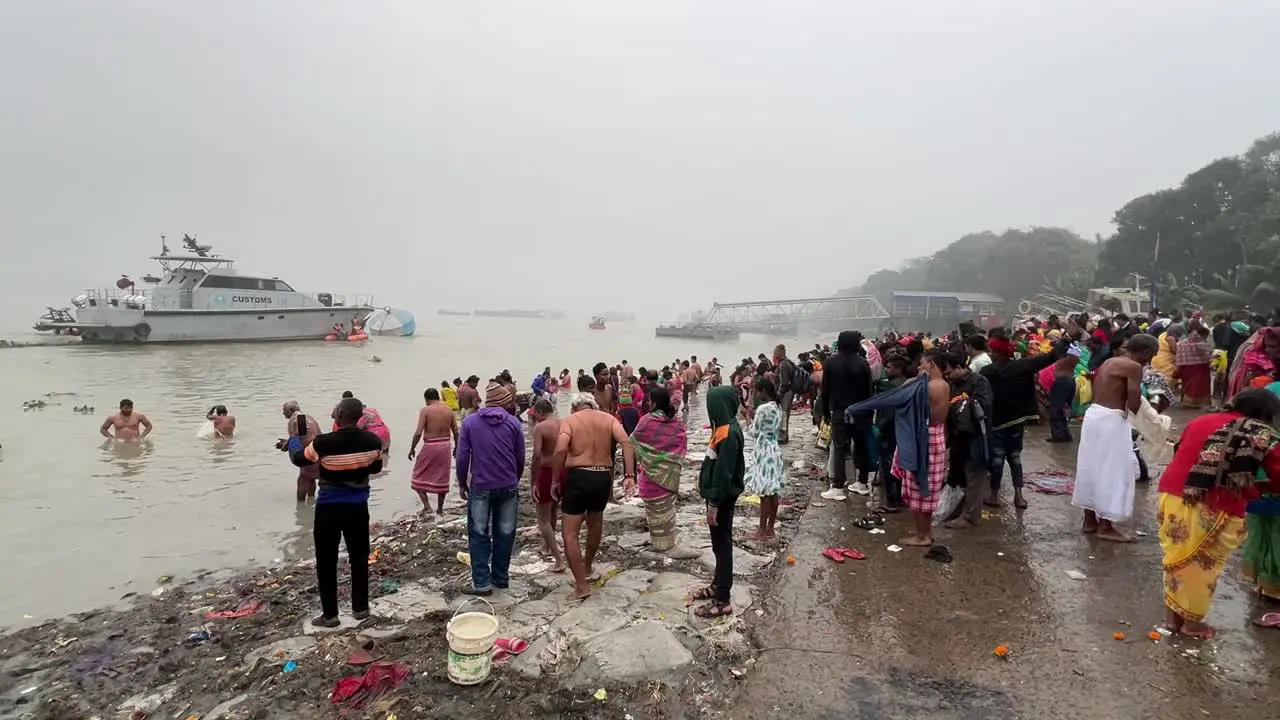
(789, 313)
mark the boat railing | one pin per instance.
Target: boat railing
(354, 300)
(131, 298)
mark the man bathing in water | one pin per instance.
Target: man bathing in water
(690, 376)
(546, 433)
(224, 424)
(436, 425)
(306, 429)
(1106, 466)
(125, 424)
(584, 459)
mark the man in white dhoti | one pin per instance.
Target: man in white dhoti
(1106, 466)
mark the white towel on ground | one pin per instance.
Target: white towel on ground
(1105, 465)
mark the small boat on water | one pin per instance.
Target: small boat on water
(201, 298)
(597, 323)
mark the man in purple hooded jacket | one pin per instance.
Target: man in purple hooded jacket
(491, 455)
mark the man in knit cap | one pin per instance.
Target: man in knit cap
(490, 460)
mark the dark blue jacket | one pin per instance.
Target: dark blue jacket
(911, 425)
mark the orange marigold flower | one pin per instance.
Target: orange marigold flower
(1117, 636)
(1001, 650)
(791, 559)
(1153, 635)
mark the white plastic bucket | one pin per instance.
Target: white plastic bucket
(471, 636)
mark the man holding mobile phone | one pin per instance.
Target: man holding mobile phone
(305, 428)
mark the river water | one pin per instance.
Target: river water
(86, 521)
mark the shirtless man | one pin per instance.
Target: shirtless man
(224, 424)
(603, 389)
(126, 424)
(584, 459)
(697, 370)
(546, 433)
(436, 426)
(690, 375)
(468, 397)
(1105, 464)
(922, 508)
(307, 474)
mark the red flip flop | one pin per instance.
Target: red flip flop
(1268, 620)
(512, 645)
(851, 554)
(833, 554)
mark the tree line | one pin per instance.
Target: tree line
(1212, 241)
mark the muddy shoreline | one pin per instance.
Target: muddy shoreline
(160, 655)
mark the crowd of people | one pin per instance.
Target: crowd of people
(935, 419)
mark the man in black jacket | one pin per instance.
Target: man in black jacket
(786, 374)
(1013, 386)
(347, 457)
(846, 380)
(968, 439)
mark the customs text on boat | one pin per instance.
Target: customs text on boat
(201, 298)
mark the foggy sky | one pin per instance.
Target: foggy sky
(516, 152)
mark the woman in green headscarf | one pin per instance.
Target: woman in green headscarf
(721, 481)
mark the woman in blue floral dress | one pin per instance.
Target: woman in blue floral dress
(767, 474)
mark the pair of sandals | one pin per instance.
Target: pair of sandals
(713, 609)
(838, 555)
(870, 520)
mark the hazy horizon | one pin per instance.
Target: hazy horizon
(651, 157)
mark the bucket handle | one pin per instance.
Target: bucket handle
(468, 602)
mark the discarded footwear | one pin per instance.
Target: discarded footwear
(852, 554)
(513, 645)
(939, 553)
(1268, 620)
(834, 555)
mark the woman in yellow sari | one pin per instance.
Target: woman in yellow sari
(1204, 493)
(1166, 360)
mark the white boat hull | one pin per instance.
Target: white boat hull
(119, 325)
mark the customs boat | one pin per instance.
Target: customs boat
(199, 297)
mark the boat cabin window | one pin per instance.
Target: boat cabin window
(238, 282)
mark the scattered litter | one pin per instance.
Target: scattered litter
(1139, 533)
(1051, 482)
(736, 672)
(250, 608)
(464, 558)
(198, 637)
(999, 554)
(894, 548)
(1076, 575)
(817, 503)
(360, 657)
(1166, 632)
(164, 579)
(876, 531)
(379, 679)
(601, 695)
(158, 592)
(389, 586)
(290, 666)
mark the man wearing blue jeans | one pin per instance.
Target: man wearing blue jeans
(491, 455)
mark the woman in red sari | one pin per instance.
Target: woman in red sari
(1193, 357)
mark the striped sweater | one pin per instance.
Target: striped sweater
(347, 457)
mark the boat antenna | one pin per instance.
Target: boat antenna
(164, 247)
